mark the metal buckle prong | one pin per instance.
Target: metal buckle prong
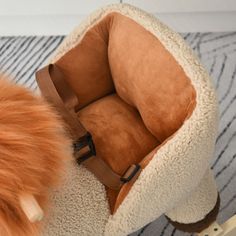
(130, 173)
(81, 143)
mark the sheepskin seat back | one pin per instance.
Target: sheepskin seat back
(117, 54)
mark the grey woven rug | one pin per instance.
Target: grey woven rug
(22, 56)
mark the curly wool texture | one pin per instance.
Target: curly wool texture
(33, 151)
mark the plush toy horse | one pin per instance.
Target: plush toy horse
(142, 115)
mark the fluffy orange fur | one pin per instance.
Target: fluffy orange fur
(33, 151)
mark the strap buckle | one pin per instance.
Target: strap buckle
(130, 173)
(84, 142)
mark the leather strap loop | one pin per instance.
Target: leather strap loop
(58, 92)
(51, 92)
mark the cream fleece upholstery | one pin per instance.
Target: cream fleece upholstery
(177, 181)
(80, 206)
(190, 209)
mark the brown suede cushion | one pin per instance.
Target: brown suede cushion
(118, 131)
(153, 94)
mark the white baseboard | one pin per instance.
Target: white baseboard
(63, 24)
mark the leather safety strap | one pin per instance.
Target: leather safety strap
(57, 91)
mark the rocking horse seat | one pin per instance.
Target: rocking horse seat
(146, 101)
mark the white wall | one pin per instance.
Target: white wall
(174, 6)
(53, 17)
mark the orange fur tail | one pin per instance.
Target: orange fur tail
(33, 151)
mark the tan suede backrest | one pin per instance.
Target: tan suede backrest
(147, 76)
